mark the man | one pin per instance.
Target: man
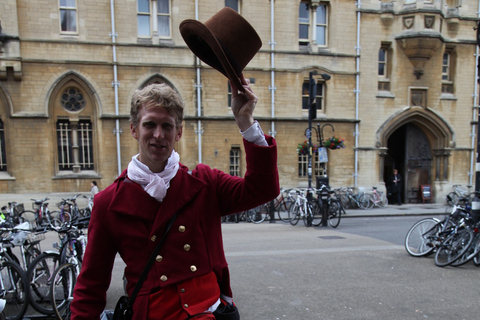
(395, 185)
(190, 277)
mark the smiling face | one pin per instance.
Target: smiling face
(156, 133)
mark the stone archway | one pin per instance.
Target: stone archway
(417, 142)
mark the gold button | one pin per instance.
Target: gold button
(153, 238)
(185, 305)
(181, 228)
(186, 247)
(193, 268)
(182, 290)
(164, 278)
(159, 258)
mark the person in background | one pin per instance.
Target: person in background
(94, 189)
(190, 276)
(395, 185)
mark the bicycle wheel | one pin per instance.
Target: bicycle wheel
(317, 214)
(365, 201)
(258, 214)
(383, 200)
(39, 276)
(14, 290)
(335, 217)
(282, 210)
(30, 254)
(452, 199)
(294, 214)
(453, 247)
(308, 217)
(55, 219)
(471, 252)
(419, 240)
(61, 289)
(27, 215)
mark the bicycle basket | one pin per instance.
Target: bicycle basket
(19, 208)
(35, 206)
(35, 237)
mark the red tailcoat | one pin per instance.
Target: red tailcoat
(125, 219)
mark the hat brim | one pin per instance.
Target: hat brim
(203, 43)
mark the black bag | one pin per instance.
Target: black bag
(123, 309)
(226, 312)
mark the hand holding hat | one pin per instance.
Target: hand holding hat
(226, 42)
(243, 104)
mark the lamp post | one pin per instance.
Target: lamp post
(312, 114)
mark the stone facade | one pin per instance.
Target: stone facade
(407, 117)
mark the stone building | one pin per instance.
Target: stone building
(395, 78)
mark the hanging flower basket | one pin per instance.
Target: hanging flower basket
(335, 143)
(302, 148)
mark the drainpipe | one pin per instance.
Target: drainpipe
(115, 85)
(474, 131)
(475, 105)
(357, 91)
(198, 86)
(272, 43)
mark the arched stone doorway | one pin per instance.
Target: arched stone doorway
(409, 152)
(417, 142)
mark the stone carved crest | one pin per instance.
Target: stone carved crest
(429, 22)
(408, 22)
(418, 98)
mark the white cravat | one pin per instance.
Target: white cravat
(155, 184)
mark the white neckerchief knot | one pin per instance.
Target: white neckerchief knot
(155, 184)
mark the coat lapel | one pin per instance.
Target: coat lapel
(131, 199)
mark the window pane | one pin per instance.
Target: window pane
(381, 69)
(232, 4)
(303, 13)
(163, 6)
(143, 25)
(319, 90)
(305, 89)
(303, 31)
(321, 35)
(445, 59)
(64, 146)
(68, 20)
(321, 14)
(3, 153)
(164, 26)
(143, 6)
(381, 55)
(67, 3)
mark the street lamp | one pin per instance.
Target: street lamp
(312, 114)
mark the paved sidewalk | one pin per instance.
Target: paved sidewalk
(390, 210)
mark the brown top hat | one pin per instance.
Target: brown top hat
(226, 42)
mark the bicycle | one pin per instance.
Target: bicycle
(329, 208)
(259, 213)
(64, 277)
(13, 288)
(28, 243)
(449, 237)
(42, 213)
(13, 213)
(458, 194)
(379, 198)
(360, 200)
(302, 208)
(41, 271)
(283, 202)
